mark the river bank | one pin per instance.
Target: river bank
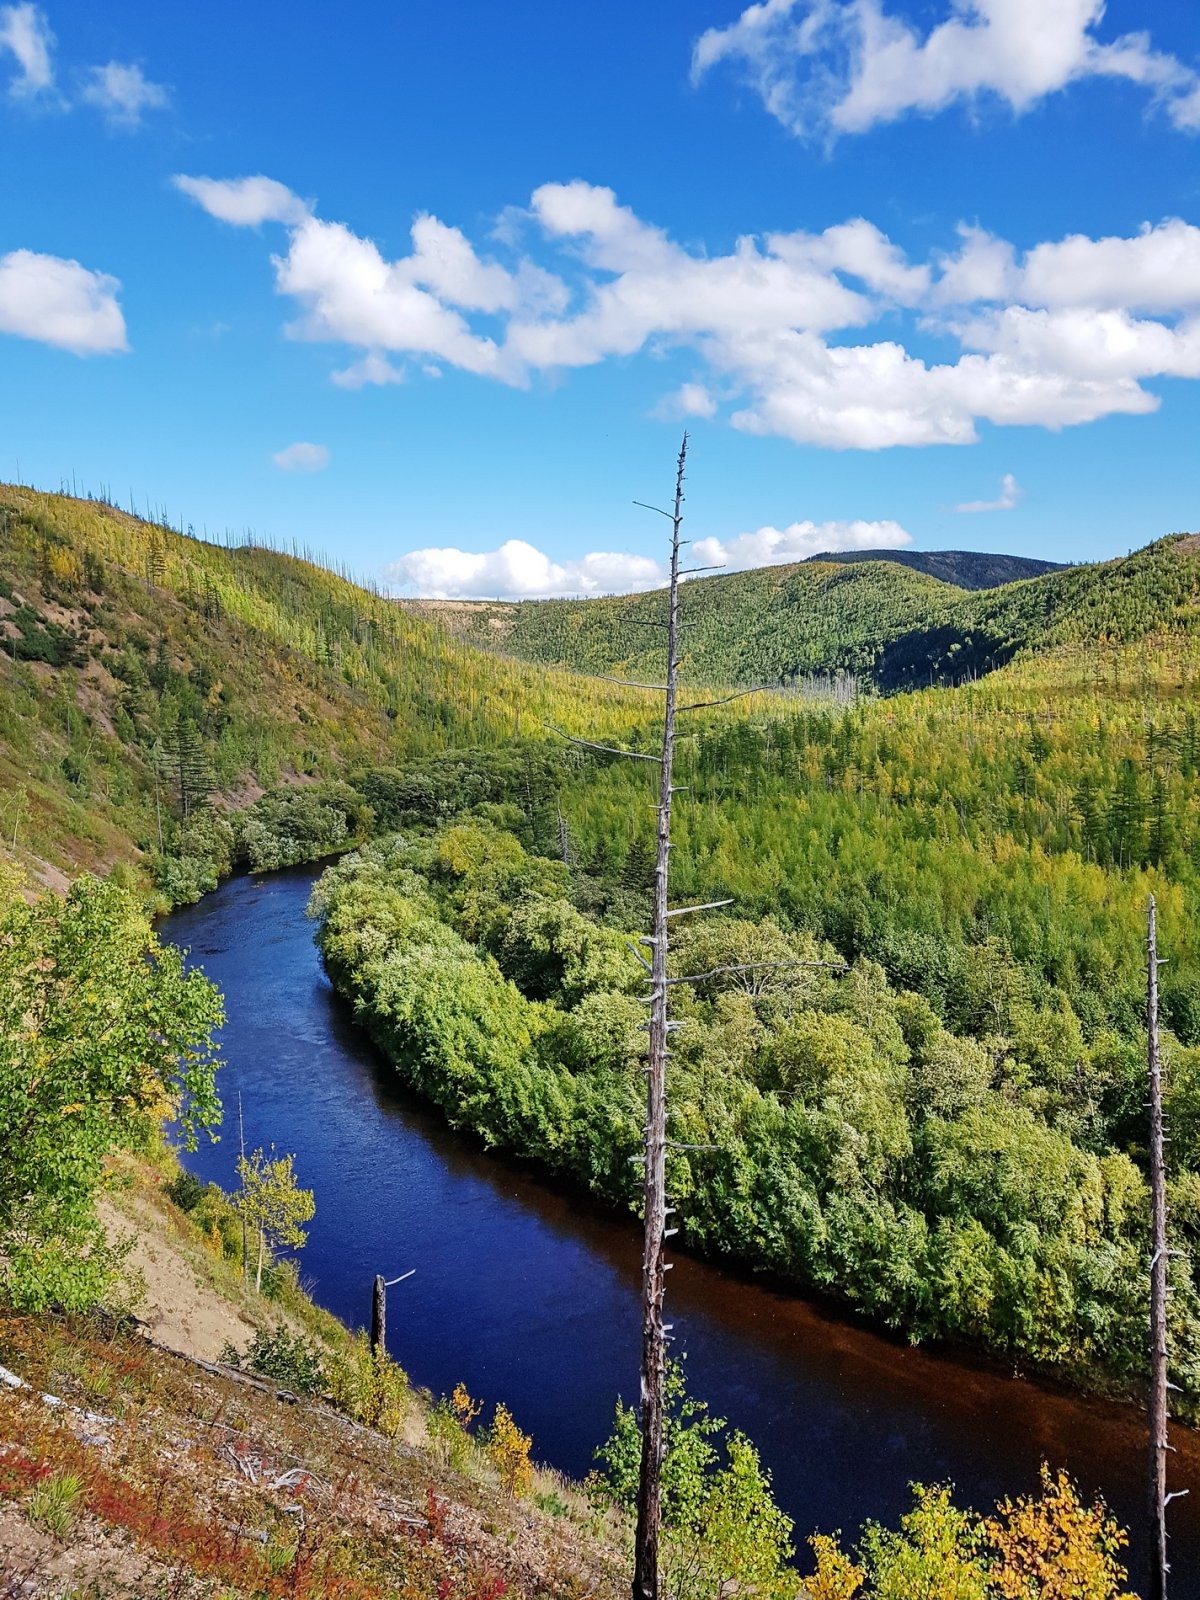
(530, 1293)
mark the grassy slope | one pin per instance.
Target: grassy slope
(287, 669)
(179, 1468)
(893, 626)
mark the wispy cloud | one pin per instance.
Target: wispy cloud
(689, 400)
(25, 35)
(123, 93)
(120, 90)
(373, 370)
(243, 202)
(829, 67)
(302, 457)
(1010, 493)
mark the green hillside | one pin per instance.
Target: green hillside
(891, 626)
(768, 625)
(951, 1137)
(1155, 589)
(142, 670)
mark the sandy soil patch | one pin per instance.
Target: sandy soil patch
(48, 875)
(179, 1309)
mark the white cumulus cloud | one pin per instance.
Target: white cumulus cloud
(243, 202)
(60, 303)
(123, 92)
(302, 457)
(1157, 270)
(520, 571)
(806, 336)
(844, 66)
(1010, 493)
(350, 293)
(769, 546)
(25, 35)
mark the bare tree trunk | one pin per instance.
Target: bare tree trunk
(649, 1511)
(262, 1246)
(242, 1164)
(378, 1314)
(1159, 1566)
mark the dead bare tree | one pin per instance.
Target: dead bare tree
(379, 1288)
(1159, 1260)
(654, 1276)
(654, 1153)
(656, 1143)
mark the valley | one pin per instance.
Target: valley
(956, 800)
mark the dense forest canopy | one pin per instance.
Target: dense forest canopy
(948, 1133)
(890, 625)
(978, 1183)
(967, 569)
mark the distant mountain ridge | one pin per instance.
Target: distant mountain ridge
(966, 569)
(882, 618)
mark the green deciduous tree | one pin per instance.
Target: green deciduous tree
(273, 1204)
(722, 1531)
(102, 1033)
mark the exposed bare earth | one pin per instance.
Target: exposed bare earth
(179, 1308)
(192, 1481)
(34, 1564)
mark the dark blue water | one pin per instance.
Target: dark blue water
(528, 1294)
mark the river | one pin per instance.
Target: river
(529, 1294)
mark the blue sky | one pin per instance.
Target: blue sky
(884, 259)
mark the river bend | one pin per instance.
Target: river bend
(529, 1294)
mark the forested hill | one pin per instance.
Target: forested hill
(890, 625)
(950, 1136)
(968, 569)
(769, 624)
(142, 671)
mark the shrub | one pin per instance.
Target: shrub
(450, 1421)
(368, 1386)
(552, 1504)
(216, 1218)
(185, 1190)
(508, 1450)
(286, 1357)
(295, 824)
(1049, 1547)
(182, 879)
